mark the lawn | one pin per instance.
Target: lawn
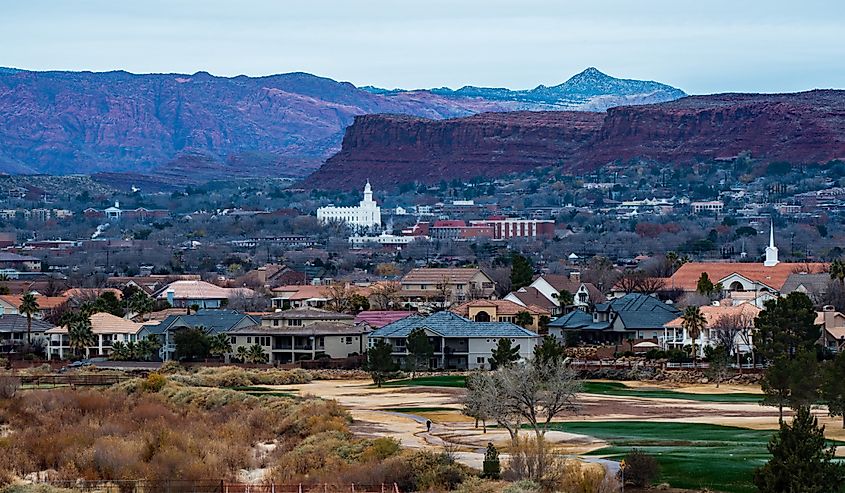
(439, 381)
(691, 455)
(413, 410)
(620, 389)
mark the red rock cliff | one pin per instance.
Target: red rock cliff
(389, 149)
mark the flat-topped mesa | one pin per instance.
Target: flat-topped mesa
(390, 149)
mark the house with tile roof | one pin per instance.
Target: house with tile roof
(319, 339)
(832, 324)
(675, 337)
(107, 329)
(459, 343)
(13, 331)
(501, 311)
(379, 318)
(633, 316)
(47, 305)
(213, 321)
(426, 287)
(188, 293)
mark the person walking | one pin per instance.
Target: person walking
(428, 425)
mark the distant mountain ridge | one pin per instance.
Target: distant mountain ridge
(590, 90)
(197, 127)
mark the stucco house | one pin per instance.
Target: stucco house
(107, 329)
(459, 343)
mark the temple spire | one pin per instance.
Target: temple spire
(771, 250)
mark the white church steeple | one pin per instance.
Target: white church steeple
(771, 250)
(368, 193)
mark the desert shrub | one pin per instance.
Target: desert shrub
(9, 386)
(33, 488)
(379, 449)
(523, 486)
(641, 469)
(37, 370)
(230, 376)
(531, 459)
(582, 477)
(475, 484)
(154, 382)
(170, 367)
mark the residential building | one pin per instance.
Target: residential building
(212, 321)
(444, 286)
(503, 311)
(303, 334)
(107, 330)
(459, 343)
(365, 216)
(13, 331)
(186, 294)
(832, 324)
(676, 337)
(379, 318)
(544, 291)
(633, 316)
(47, 305)
(298, 296)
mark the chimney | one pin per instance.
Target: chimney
(575, 276)
(170, 296)
(262, 275)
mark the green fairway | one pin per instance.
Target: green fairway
(620, 389)
(440, 381)
(692, 455)
(412, 410)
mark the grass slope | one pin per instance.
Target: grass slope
(692, 455)
(620, 389)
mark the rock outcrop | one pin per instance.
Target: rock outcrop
(389, 150)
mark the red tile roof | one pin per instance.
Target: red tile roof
(686, 277)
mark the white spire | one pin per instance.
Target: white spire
(771, 250)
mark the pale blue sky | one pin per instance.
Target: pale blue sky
(700, 46)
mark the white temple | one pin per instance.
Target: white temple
(366, 215)
(771, 250)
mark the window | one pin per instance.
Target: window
(233, 340)
(480, 360)
(249, 340)
(294, 323)
(275, 323)
(349, 340)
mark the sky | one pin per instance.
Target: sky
(700, 46)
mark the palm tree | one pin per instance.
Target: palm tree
(139, 303)
(256, 354)
(243, 354)
(524, 319)
(120, 351)
(693, 322)
(80, 333)
(148, 347)
(29, 307)
(220, 345)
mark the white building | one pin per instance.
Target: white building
(365, 216)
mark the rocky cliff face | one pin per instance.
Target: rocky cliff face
(802, 127)
(281, 125)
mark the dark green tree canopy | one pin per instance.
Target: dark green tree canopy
(504, 353)
(786, 326)
(522, 272)
(548, 351)
(800, 463)
(380, 361)
(192, 344)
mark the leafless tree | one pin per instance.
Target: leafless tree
(384, 295)
(730, 330)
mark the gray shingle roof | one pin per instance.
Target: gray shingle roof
(215, 320)
(448, 324)
(635, 311)
(17, 323)
(308, 313)
(813, 283)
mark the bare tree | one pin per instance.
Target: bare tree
(384, 295)
(731, 330)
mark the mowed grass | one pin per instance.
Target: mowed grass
(438, 381)
(412, 410)
(620, 389)
(691, 455)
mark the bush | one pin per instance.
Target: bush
(230, 376)
(9, 386)
(523, 486)
(154, 382)
(641, 469)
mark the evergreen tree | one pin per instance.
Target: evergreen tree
(833, 386)
(800, 463)
(522, 273)
(492, 468)
(419, 349)
(786, 326)
(548, 351)
(524, 319)
(380, 361)
(504, 353)
(705, 286)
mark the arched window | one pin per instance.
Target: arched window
(736, 286)
(482, 316)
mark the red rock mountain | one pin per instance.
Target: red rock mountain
(190, 128)
(389, 150)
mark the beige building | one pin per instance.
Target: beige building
(442, 287)
(501, 311)
(303, 334)
(107, 329)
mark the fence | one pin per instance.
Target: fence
(71, 379)
(184, 486)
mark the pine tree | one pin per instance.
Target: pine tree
(504, 353)
(380, 361)
(800, 463)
